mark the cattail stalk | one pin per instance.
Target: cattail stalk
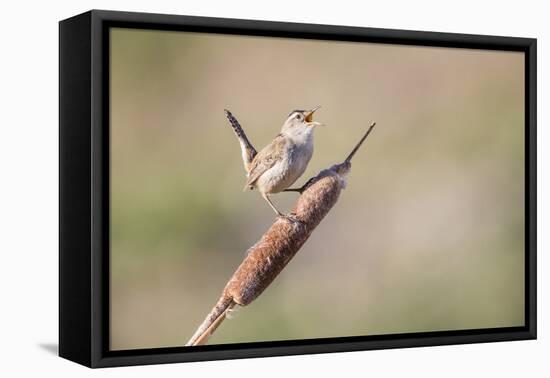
(267, 258)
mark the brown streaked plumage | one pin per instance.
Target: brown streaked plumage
(266, 159)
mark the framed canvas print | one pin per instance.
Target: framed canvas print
(389, 188)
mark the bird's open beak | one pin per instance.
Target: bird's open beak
(309, 117)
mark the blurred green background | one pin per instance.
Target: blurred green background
(427, 236)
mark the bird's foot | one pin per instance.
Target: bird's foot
(291, 217)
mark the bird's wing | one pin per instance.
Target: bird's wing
(265, 159)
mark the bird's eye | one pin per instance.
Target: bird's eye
(299, 116)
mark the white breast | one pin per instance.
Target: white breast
(283, 174)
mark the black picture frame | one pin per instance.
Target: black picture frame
(84, 188)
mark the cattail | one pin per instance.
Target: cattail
(267, 258)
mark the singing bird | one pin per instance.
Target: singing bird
(279, 164)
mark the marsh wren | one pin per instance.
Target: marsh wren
(279, 164)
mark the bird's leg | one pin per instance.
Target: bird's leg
(302, 188)
(288, 217)
(266, 197)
